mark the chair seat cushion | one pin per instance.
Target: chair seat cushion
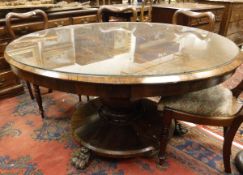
(214, 101)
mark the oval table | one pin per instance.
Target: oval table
(122, 64)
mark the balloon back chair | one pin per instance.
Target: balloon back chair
(10, 28)
(215, 106)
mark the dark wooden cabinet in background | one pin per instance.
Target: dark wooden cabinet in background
(164, 13)
(232, 21)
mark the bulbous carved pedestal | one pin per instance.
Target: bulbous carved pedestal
(118, 128)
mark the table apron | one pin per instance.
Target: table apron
(120, 91)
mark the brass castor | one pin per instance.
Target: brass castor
(81, 158)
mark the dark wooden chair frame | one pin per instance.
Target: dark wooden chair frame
(9, 28)
(230, 124)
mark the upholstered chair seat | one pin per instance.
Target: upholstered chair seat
(216, 101)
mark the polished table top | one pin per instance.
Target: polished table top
(122, 63)
(124, 53)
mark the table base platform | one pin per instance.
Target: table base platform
(111, 133)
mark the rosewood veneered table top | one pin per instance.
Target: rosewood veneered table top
(124, 53)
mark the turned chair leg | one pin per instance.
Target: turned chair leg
(228, 139)
(166, 123)
(38, 99)
(30, 90)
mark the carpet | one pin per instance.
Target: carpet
(32, 146)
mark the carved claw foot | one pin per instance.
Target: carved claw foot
(81, 158)
(180, 130)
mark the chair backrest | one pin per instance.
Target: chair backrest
(26, 15)
(116, 10)
(192, 14)
(146, 4)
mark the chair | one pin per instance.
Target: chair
(9, 28)
(105, 12)
(27, 15)
(143, 16)
(191, 14)
(176, 20)
(216, 106)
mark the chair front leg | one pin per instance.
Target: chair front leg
(228, 139)
(166, 123)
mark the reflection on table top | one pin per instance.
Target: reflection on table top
(121, 49)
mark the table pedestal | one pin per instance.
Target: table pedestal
(117, 127)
